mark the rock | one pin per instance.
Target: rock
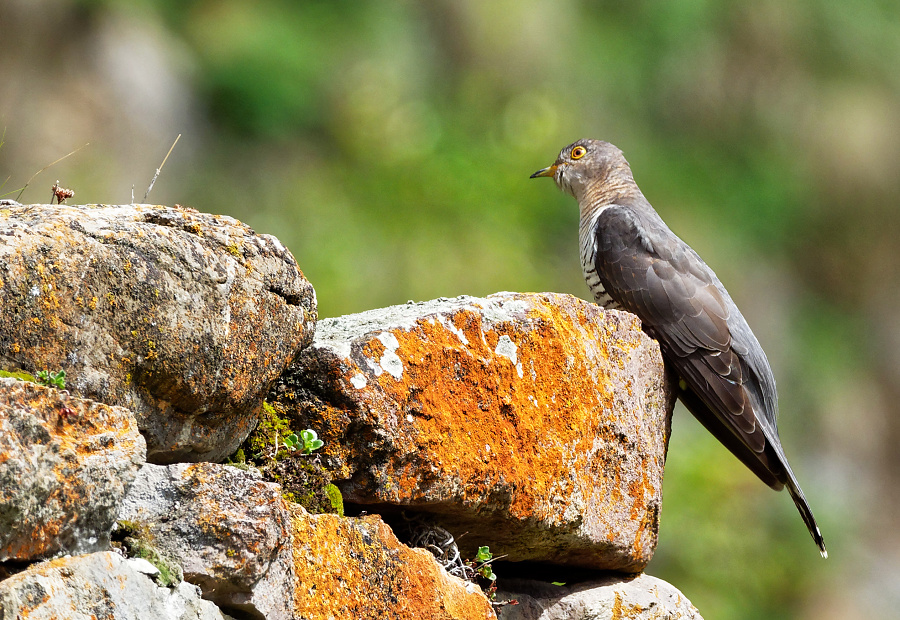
(65, 466)
(100, 585)
(615, 597)
(356, 568)
(183, 317)
(228, 530)
(537, 423)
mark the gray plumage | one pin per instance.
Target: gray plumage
(631, 260)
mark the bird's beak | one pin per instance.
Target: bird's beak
(545, 172)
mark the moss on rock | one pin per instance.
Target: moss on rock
(135, 540)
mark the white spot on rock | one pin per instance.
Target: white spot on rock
(447, 322)
(507, 348)
(35, 291)
(519, 369)
(358, 381)
(390, 361)
(143, 566)
(375, 366)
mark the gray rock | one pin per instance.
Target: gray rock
(228, 529)
(65, 466)
(183, 317)
(100, 585)
(537, 423)
(612, 598)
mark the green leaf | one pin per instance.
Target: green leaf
(484, 554)
(309, 435)
(52, 379)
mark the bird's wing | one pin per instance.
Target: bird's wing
(652, 273)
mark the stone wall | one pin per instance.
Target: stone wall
(158, 483)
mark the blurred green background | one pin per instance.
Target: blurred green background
(388, 145)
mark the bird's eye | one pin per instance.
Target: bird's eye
(578, 152)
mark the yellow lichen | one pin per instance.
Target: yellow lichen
(21, 375)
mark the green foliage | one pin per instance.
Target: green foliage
(52, 379)
(482, 563)
(277, 452)
(291, 442)
(267, 439)
(238, 460)
(336, 498)
(311, 441)
(484, 554)
(21, 375)
(273, 437)
(134, 539)
(307, 442)
(305, 482)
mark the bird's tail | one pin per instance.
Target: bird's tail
(805, 512)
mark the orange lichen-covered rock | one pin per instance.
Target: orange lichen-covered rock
(183, 317)
(537, 423)
(356, 568)
(65, 466)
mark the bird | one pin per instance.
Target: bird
(632, 261)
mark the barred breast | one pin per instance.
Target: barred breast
(587, 241)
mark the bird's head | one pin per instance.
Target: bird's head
(583, 164)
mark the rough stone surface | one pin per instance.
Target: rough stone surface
(228, 529)
(356, 568)
(611, 598)
(537, 423)
(65, 466)
(183, 317)
(100, 585)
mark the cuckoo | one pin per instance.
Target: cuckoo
(633, 261)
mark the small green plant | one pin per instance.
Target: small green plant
(291, 442)
(441, 544)
(52, 379)
(482, 563)
(307, 442)
(311, 441)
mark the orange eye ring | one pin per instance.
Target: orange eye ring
(578, 152)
